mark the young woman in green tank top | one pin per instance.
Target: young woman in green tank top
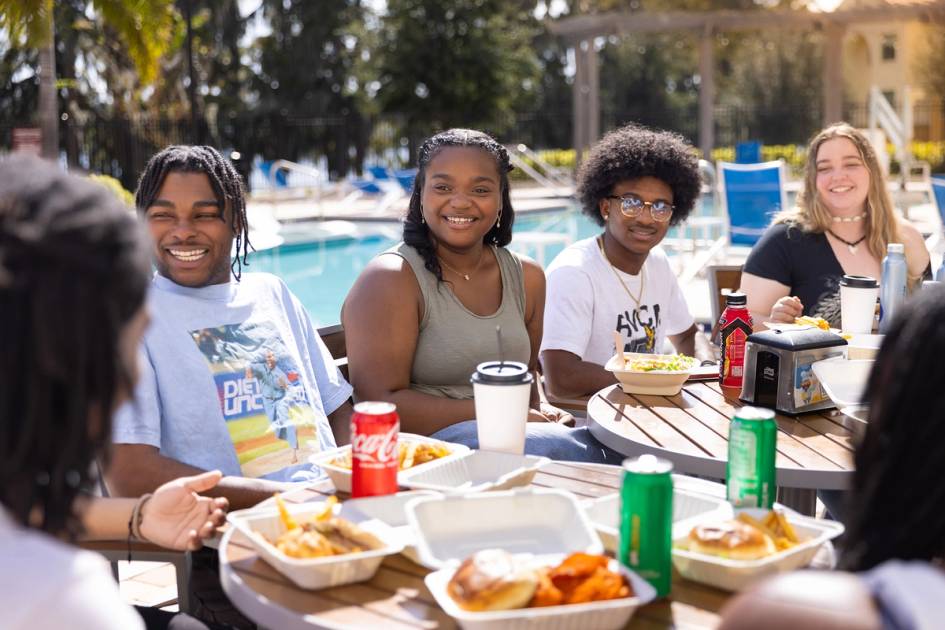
(422, 315)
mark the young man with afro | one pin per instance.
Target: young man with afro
(635, 184)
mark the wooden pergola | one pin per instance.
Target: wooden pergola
(579, 33)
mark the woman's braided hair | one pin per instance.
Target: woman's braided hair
(896, 502)
(73, 273)
(417, 233)
(226, 182)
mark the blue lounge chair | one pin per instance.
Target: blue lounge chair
(938, 195)
(750, 195)
(405, 179)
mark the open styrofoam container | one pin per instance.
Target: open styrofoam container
(538, 526)
(315, 573)
(735, 575)
(604, 615)
(390, 509)
(341, 476)
(536, 520)
(475, 471)
(604, 514)
(843, 380)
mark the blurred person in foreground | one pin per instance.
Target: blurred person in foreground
(73, 278)
(636, 183)
(894, 546)
(841, 223)
(423, 315)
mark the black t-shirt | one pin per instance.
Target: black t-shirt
(803, 261)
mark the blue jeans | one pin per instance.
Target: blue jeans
(554, 441)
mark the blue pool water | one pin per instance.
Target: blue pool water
(321, 272)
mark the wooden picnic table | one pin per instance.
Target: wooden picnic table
(397, 597)
(815, 450)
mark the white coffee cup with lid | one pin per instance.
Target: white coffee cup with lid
(858, 303)
(502, 391)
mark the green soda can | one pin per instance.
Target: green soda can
(750, 477)
(646, 520)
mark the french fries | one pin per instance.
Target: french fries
(819, 322)
(775, 526)
(290, 523)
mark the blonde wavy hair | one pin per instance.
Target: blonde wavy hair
(811, 215)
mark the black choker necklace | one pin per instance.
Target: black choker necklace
(850, 245)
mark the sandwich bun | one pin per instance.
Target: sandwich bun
(491, 580)
(731, 539)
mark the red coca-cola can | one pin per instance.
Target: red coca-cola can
(374, 429)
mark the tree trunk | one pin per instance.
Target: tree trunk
(48, 105)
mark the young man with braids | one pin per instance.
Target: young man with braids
(201, 403)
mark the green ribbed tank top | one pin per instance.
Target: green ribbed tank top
(454, 340)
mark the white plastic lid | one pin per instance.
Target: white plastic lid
(539, 521)
(896, 248)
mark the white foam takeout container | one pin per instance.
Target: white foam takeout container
(843, 380)
(863, 347)
(655, 383)
(605, 615)
(341, 476)
(538, 526)
(474, 471)
(735, 575)
(390, 509)
(315, 573)
(604, 514)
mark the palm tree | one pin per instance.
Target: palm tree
(145, 26)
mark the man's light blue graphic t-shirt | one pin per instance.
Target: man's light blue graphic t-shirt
(234, 376)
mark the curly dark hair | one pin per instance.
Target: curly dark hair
(632, 152)
(895, 504)
(74, 271)
(417, 233)
(226, 182)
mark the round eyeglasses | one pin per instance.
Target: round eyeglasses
(631, 206)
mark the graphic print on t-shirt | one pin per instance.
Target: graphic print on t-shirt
(267, 412)
(639, 327)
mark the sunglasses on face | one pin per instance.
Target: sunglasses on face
(631, 206)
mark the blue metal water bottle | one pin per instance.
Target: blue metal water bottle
(892, 291)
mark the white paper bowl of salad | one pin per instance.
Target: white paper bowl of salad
(654, 374)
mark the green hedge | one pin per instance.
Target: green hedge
(793, 155)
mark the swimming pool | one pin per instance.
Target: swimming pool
(321, 271)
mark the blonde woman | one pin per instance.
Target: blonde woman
(841, 224)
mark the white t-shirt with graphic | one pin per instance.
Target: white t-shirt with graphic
(585, 304)
(234, 376)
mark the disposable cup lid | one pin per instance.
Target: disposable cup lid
(859, 282)
(499, 373)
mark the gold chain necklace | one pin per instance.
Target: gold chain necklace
(636, 300)
(465, 275)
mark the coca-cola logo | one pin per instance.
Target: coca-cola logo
(376, 447)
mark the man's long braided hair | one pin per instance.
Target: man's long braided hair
(225, 181)
(897, 502)
(74, 272)
(417, 233)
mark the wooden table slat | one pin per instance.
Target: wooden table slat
(664, 407)
(662, 434)
(795, 440)
(603, 411)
